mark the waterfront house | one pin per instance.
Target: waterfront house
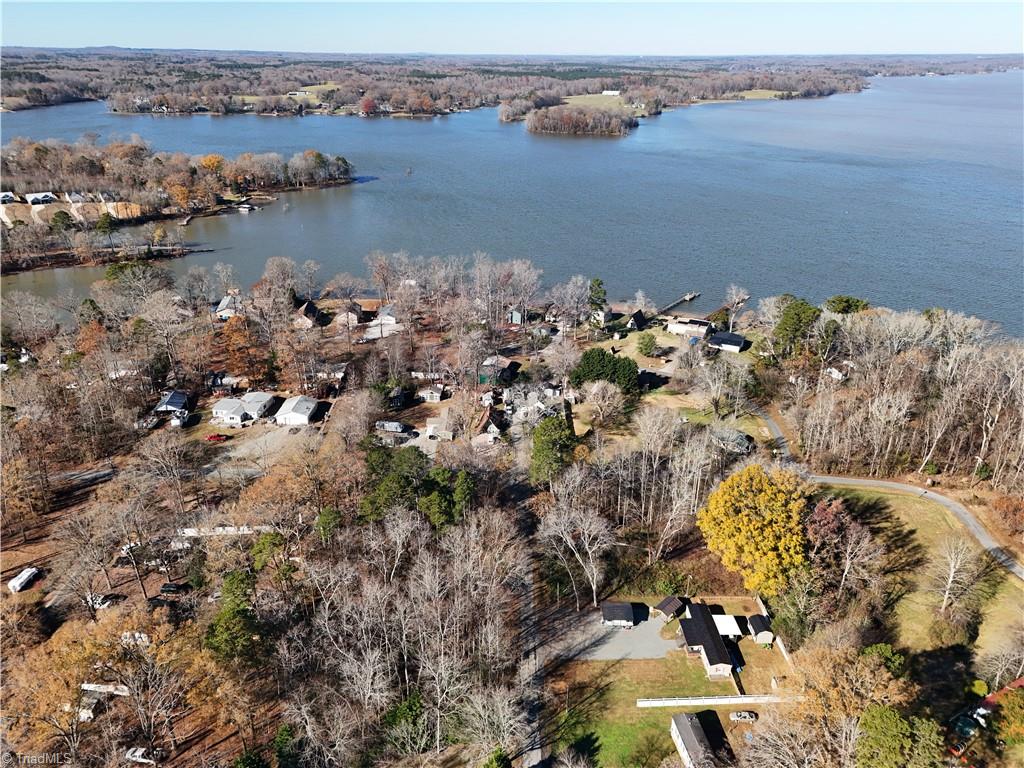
(691, 741)
(727, 342)
(619, 615)
(307, 316)
(600, 317)
(636, 321)
(397, 399)
(229, 306)
(348, 316)
(700, 636)
(296, 411)
(689, 326)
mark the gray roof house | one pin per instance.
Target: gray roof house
(172, 400)
(617, 614)
(691, 741)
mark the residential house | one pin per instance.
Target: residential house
(489, 398)
(689, 326)
(397, 399)
(307, 316)
(691, 741)
(230, 411)
(229, 306)
(172, 400)
(433, 393)
(516, 316)
(257, 403)
(7, 198)
(669, 608)
(601, 317)
(619, 615)
(636, 321)
(439, 427)
(75, 198)
(728, 342)
(348, 316)
(296, 411)
(610, 93)
(40, 198)
(761, 630)
(386, 315)
(700, 636)
(395, 427)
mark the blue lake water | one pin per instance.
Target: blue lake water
(909, 194)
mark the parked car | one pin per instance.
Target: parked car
(744, 716)
(217, 438)
(173, 588)
(23, 580)
(959, 748)
(143, 755)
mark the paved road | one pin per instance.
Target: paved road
(964, 515)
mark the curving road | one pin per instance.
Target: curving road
(964, 515)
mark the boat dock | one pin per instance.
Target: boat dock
(682, 299)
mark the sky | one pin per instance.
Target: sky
(582, 28)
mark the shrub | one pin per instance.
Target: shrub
(983, 471)
(931, 468)
(1010, 513)
(645, 343)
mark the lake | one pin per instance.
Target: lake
(909, 194)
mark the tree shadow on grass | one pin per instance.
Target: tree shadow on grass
(904, 554)
(573, 708)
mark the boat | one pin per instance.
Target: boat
(246, 208)
(691, 296)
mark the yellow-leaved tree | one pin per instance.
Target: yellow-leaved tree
(754, 522)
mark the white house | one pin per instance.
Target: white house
(836, 374)
(431, 394)
(296, 411)
(688, 326)
(700, 636)
(386, 315)
(230, 411)
(257, 403)
(610, 93)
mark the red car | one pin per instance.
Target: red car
(217, 438)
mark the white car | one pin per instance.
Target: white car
(143, 755)
(743, 717)
(22, 580)
(98, 602)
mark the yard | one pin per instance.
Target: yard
(600, 101)
(754, 94)
(595, 708)
(929, 524)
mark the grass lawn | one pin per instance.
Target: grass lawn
(600, 101)
(754, 94)
(930, 524)
(602, 718)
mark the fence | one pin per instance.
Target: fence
(715, 701)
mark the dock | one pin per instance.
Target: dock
(681, 300)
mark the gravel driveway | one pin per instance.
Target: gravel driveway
(600, 643)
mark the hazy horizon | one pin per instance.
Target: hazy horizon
(528, 29)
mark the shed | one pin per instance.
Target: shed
(728, 342)
(761, 630)
(296, 411)
(669, 608)
(617, 614)
(691, 741)
(636, 321)
(172, 400)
